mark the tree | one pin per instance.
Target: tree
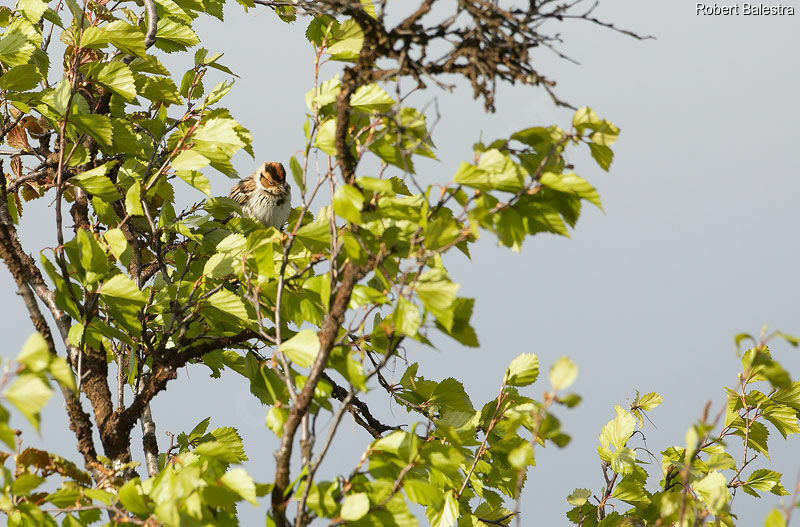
(143, 285)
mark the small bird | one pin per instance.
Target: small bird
(265, 195)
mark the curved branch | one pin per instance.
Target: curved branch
(152, 23)
(29, 279)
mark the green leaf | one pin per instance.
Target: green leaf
(95, 182)
(25, 483)
(623, 460)
(219, 265)
(240, 482)
(119, 246)
(174, 35)
(348, 202)
(447, 515)
(713, 489)
(131, 496)
(648, 401)
(20, 78)
(133, 200)
(276, 418)
(62, 373)
(521, 456)
(189, 160)
(61, 95)
(303, 348)
(347, 41)
(563, 373)
(29, 393)
(406, 318)
(371, 97)
(229, 303)
(297, 173)
(324, 94)
(158, 89)
(34, 355)
(602, 154)
(438, 295)
(523, 370)
(765, 480)
(99, 127)
(571, 183)
(15, 48)
(120, 288)
(196, 179)
(579, 497)
(791, 339)
(775, 519)
(631, 490)
(32, 9)
(783, 418)
(355, 506)
(584, 117)
(618, 430)
(325, 139)
(127, 38)
(422, 492)
(93, 257)
(116, 76)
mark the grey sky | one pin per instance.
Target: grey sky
(698, 241)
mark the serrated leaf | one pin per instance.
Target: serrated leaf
(230, 303)
(617, 431)
(713, 489)
(175, 35)
(131, 496)
(764, 480)
(579, 497)
(348, 202)
(158, 89)
(34, 355)
(20, 78)
(95, 182)
(438, 295)
(602, 154)
(133, 200)
(447, 515)
(523, 370)
(303, 348)
(99, 127)
(219, 265)
(121, 288)
(240, 482)
(563, 373)
(371, 97)
(119, 245)
(347, 41)
(276, 417)
(195, 179)
(127, 38)
(571, 183)
(775, 519)
(297, 172)
(406, 317)
(29, 393)
(116, 76)
(355, 506)
(32, 9)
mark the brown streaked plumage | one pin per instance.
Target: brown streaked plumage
(265, 195)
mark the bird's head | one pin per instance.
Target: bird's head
(272, 176)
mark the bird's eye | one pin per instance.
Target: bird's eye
(265, 182)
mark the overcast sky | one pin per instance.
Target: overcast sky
(698, 241)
